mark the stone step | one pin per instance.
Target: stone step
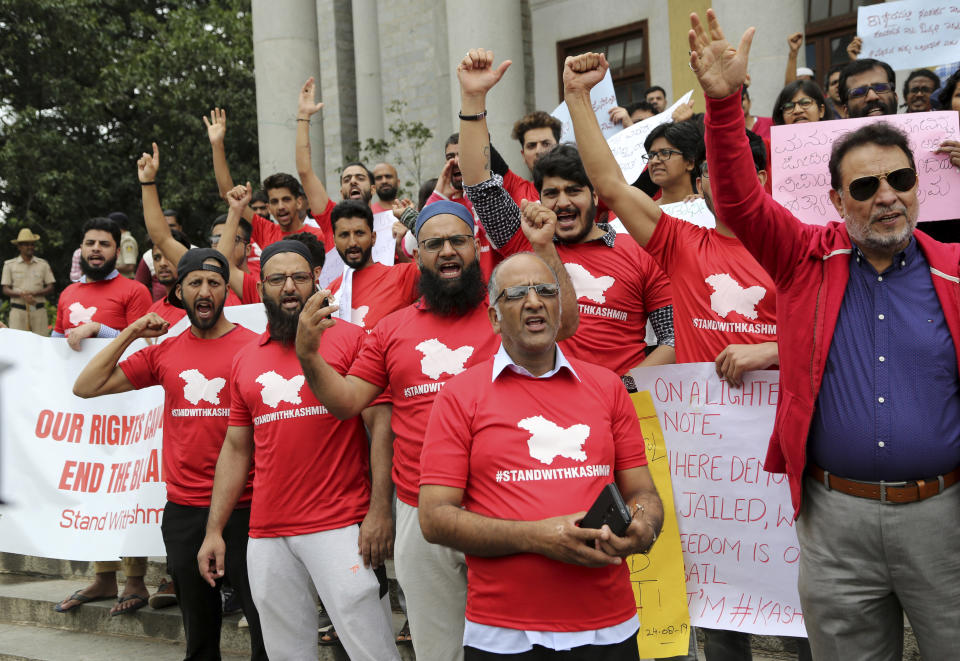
(28, 601)
(14, 563)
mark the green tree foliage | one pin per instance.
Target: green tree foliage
(87, 85)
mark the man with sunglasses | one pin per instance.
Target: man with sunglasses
(868, 88)
(508, 470)
(415, 351)
(868, 422)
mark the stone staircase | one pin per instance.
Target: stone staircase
(31, 630)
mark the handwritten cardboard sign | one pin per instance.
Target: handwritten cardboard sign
(603, 99)
(911, 33)
(627, 145)
(695, 211)
(800, 156)
(735, 520)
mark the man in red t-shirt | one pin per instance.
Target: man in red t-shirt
(538, 133)
(166, 275)
(368, 290)
(618, 286)
(386, 183)
(193, 369)
(414, 351)
(312, 505)
(508, 470)
(101, 304)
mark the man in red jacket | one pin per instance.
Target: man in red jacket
(868, 423)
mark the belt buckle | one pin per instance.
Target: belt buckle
(883, 488)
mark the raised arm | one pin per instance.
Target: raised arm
(147, 168)
(633, 207)
(102, 376)
(313, 188)
(794, 42)
(477, 77)
(216, 132)
(239, 200)
(344, 396)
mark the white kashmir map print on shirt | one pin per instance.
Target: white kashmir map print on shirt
(357, 315)
(81, 315)
(277, 389)
(587, 285)
(198, 387)
(438, 358)
(728, 296)
(548, 440)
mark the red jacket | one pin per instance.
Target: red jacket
(810, 265)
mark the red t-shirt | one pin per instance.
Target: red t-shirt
(520, 451)
(721, 295)
(488, 257)
(250, 292)
(617, 289)
(378, 290)
(519, 188)
(376, 207)
(116, 303)
(312, 469)
(194, 374)
(264, 232)
(416, 352)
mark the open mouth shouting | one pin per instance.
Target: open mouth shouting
(449, 270)
(204, 309)
(535, 323)
(567, 219)
(291, 303)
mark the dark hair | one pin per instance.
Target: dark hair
(178, 236)
(535, 120)
(259, 196)
(655, 88)
(283, 180)
(861, 66)
(426, 190)
(808, 87)
(454, 139)
(170, 212)
(103, 225)
(878, 133)
(351, 209)
(949, 87)
(119, 218)
(639, 105)
(358, 163)
(318, 253)
(757, 149)
(244, 228)
(562, 161)
(921, 73)
(687, 137)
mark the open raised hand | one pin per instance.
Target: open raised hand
(720, 68)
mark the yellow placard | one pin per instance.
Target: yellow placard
(658, 579)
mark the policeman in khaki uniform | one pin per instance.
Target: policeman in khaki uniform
(26, 281)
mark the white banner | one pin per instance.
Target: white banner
(911, 33)
(627, 145)
(603, 98)
(81, 479)
(736, 521)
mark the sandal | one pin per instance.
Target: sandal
(81, 599)
(139, 601)
(403, 636)
(328, 636)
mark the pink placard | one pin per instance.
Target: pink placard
(800, 154)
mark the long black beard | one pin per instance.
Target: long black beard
(282, 323)
(198, 323)
(364, 257)
(96, 273)
(389, 193)
(453, 298)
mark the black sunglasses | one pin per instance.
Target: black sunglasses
(863, 90)
(520, 291)
(863, 188)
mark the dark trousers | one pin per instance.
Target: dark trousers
(625, 651)
(722, 645)
(183, 531)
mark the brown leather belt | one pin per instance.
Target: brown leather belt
(21, 306)
(892, 492)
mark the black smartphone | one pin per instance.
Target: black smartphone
(609, 509)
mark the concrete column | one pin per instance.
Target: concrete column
(285, 54)
(366, 55)
(338, 87)
(495, 25)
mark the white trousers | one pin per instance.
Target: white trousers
(356, 598)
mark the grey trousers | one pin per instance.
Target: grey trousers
(864, 563)
(434, 579)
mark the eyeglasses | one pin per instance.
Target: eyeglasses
(804, 103)
(279, 279)
(879, 88)
(920, 90)
(664, 155)
(520, 291)
(863, 188)
(215, 240)
(457, 241)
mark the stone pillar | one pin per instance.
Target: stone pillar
(497, 26)
(338, 87)
(285, 54)
(366, 55)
